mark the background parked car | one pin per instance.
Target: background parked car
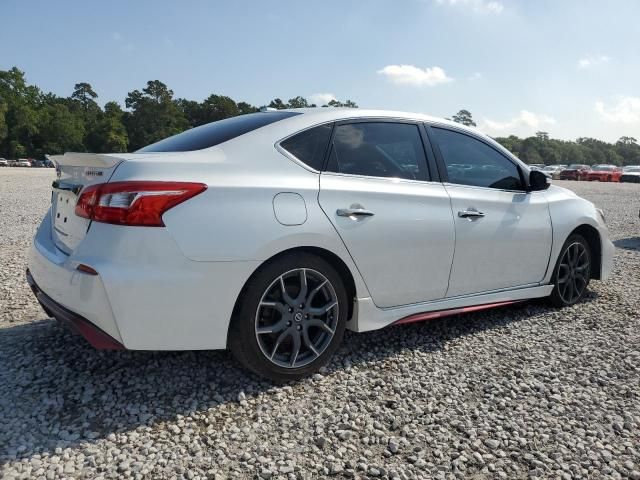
(604, 173)
(631, 174)
(23, 162)
(553, 171)
(574, 172)
(4, 162)
(536, 166)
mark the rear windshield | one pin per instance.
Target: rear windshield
(215, 133)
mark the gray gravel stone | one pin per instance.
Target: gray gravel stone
(511, 393)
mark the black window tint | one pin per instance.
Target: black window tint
(309, 146)
(379, 149)
(214, 133)
(472, 162)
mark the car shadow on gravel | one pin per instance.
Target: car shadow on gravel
(82, 394)
(631, 243)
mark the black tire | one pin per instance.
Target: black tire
(571, 275)
(254, 308)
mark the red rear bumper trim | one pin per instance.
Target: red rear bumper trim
(420, 317)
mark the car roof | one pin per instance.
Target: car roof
(316, 115)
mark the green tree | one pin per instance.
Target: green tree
(244, 107)
(109, 133)
(59, 130)
(465, 118)
(543, 136)
(21, 104)
(298, 102)
(337, 103)
(154, 115)
(278, 104)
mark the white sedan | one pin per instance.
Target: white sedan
(270, 233)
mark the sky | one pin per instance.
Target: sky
(569, 67)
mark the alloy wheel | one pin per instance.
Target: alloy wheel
(573, 272)
(296, 318)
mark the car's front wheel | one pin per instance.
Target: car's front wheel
(290, 318)
(572, 272)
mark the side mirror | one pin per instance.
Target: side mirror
(538, 181)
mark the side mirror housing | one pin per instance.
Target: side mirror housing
(538, 181)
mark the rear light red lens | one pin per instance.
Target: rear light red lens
(139, 203)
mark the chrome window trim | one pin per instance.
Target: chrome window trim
(388, 179)
(296, 160)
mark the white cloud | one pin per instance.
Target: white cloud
(593, 61)
(627, 110)
(476, 5)
(117, 36)
(475, 76)
(321, 98)
(525, 119)
(412, 75)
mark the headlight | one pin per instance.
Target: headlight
(601, 213)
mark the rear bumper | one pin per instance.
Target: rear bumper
(92, 334)
(146, 296)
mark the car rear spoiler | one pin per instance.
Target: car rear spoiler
(98, 160)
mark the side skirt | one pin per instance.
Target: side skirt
(420, 317)
(367, 316)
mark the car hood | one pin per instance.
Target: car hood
(635, 174)
(555, 189)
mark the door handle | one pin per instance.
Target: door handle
(470, 213)
(354, 212)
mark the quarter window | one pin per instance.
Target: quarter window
(472, 162)
(309, 146)
(378, 149)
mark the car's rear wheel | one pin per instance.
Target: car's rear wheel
(290, 318)
(572, 272)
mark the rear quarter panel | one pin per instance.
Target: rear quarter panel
(234, 220)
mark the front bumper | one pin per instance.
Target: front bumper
(94, 335)
(608, 252)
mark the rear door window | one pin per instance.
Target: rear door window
(379, 149)
(215, 133)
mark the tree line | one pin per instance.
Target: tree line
(34, 123)
(584, 150)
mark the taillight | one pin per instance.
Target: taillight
(138, 203)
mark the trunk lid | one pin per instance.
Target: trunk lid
(76, 171)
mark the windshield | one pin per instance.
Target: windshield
(575, 166)
(603, 168)
(632, 169)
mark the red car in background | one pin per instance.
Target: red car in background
(604, 173)
(574, 172)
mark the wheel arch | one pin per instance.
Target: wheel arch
(334, 260)
(592, 236)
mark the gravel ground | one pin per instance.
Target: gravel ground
(521, 392)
